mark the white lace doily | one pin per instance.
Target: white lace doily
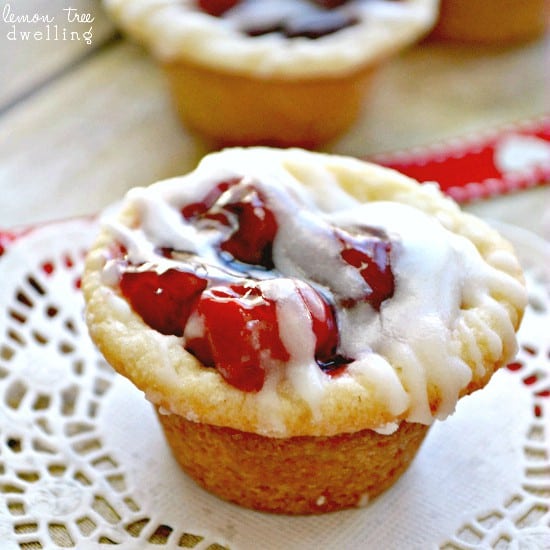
(83, 462)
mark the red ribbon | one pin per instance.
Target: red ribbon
(494, 163)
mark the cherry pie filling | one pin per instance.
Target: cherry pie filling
(312, 20)
(229, 317)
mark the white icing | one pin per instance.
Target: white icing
(416, 340)
(265, 13)
(194, 327)
(321, 501)
(110, 275)
(376, 370)
(270, 405)
(176, 29)
(296, 332)
(388, 429)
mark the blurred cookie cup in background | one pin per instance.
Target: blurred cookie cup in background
(285, 72)
(492, 22)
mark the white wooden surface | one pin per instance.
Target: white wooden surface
(81, 123)
(33, 52)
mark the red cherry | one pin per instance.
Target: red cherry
(241, 335)
(252, 240)
(243, 208)
(323, 322)
(216, 7)
(198, 210)
(163, 300)
(326, 332)
(240, 327)
(370, 254)
(330, 3)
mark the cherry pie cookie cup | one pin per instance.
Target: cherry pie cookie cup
(492, 22)
(299, 320)
(271, 72)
